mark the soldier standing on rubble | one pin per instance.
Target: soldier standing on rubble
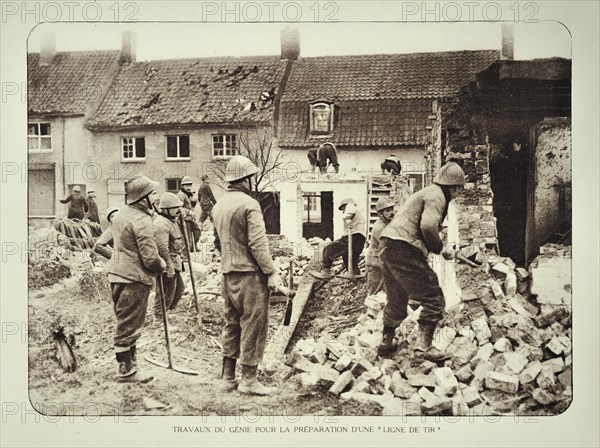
(92, 207)
(189, 216)
(132, 268)
(169, 241)
(207, 200)
(407, 240)
(248, 276)
(354, 227)
(385, 209)
(78, 206)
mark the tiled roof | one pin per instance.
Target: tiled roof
(71, 83)
(189, 91)
(380, 100)
(391, 76)
(361, 123)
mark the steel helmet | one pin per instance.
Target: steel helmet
(346, 202)
(139, 187)
(91, 190)
(186, 181)
(239, 167)
(383, 203)
(450, 174)
(169, 200)
(110, 212)
(393, 158)
(76, 188)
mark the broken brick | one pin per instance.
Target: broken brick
(502, 382)
(369, 340)
(343, 363)
(483, 354)
(510, 283)
(464, 374)
(530, 372)
(462, 351)
(566, 379)
(555, 364)
(420, 380)
(555, 346)
(503, 345)
(496, 289)
(437, 406)
(482, 330)
(542, 396)
(361, 367)
(443, 337)
(400, 387)
(545, 378)
(343, 382)
(426, 394)
(471, 396)
(516, 361)
(446, 380)
(556, 314)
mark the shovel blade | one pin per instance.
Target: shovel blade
(166, 365)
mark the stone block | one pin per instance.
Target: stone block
(480, 373)
(556, 365)
(558, 329)
(566, 343)
(500, 270)
(335, 349)
(462, 351)
(342, 383)
(502, 381)
(469, 296)
(545, 378)
(436, 407)
(343, 363)
(360, 367)
(503, 345)
(542, 396)
(568, 360)
(553, 314)
(369, 340)
(483, 354)
(443, 337)
(522, 274)
(325, 375)
(515, 361)
(555, 346)
(421, 380)
(481, 328)
(510, 283)
(496, 289)
(467, 332)
(565, 379)
(426, 394)
(387, 366)
(530, 372)
(308, 380)
(446, 380)
(471, 396)
(361, 386)
(400, 387)
(464, 374)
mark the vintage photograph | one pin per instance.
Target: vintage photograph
(334, 219)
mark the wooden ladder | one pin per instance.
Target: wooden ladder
(379, 186)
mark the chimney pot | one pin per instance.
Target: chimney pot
(128, 47)
(48, 48)
(508, 41)
(290, 44)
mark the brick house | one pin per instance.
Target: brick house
(64, 90)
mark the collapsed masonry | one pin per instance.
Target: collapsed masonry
(508, 351)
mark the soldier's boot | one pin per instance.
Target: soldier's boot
(323, 274)
(228, 374)
(126, 367)
(423, 344)
(387, 346)
(250, 384)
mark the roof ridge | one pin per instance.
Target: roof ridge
(401, 54)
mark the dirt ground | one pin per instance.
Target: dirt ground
(82, 305)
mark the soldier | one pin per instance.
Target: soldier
(248, 276)
(392, 165)
(92, 207)
(354, 227)
(327, 154)
(169, 241)
(105, 240)
(132, 268)
(385, 209)
(189, 216)
(407, 241)
(78, 206)
(313, 159)
(207, 200)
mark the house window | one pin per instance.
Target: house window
(39, 137)
(416, 181)
(225, 145)
(312, 208)
(321, 118)
(172, 184)
(134, 148)
(178, 147)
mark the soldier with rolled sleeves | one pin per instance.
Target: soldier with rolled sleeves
(385, 210)
(391, 165)
(407, 241)
(354, 227)
(169, 241)
(132, 268)
(189, 216)
(327, 155)
(248, 277)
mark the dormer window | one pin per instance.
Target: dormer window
(321, 118)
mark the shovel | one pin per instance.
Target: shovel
(189, 257)
(290, 301)
(168, 365)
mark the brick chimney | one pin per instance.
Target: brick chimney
(508, 41)
(128, 47)
(48, 48)
(290, 44)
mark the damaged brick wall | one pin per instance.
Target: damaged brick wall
(553, 177)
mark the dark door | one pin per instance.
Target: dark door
(269, 203)
(318, 215)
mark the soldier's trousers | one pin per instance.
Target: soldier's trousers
(407, 273)
(130, 301)
(246, 311)
(174, 288)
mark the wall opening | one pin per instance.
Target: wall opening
(270, 205)
(317, 219)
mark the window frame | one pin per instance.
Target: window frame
(39, 137)
(311, 114)
(178, 140)
(306, 218)
(134, 158)
(235, 149)
(176, 179)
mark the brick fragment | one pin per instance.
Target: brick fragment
(502, 381)
(342, 383)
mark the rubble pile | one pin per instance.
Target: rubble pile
(81, 234)
(48, 257)
(500, 351)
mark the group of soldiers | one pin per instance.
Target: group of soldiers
(81, 207)
(147, 251)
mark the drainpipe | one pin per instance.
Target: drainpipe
(64, 184)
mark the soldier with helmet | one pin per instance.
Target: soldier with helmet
(385, 210)
(132, 268)
(169, 241)
(78, 206)
(102, 243)
(248, 277)
(186, 195)
(407, 241)
(392, 165)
